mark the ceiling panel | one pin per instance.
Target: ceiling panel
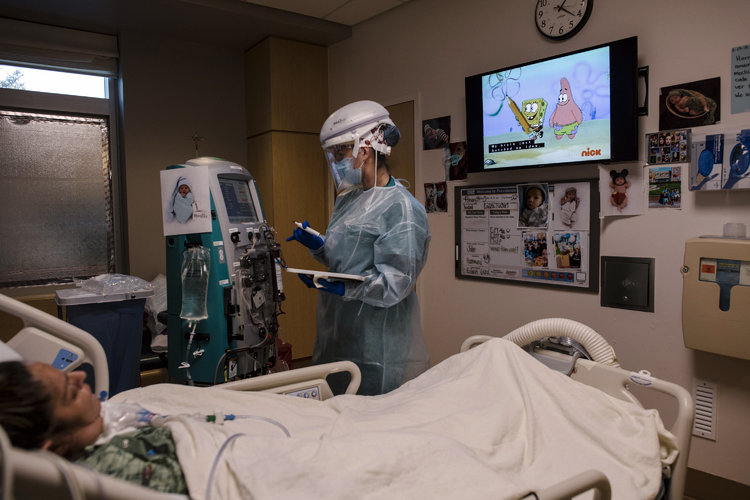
(231, 23)
(348, 12)
(355, 11)
(316, 8)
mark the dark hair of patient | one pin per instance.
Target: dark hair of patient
(25, 406)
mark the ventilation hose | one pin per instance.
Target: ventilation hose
(597, 347)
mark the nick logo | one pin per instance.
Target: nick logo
(591, 152)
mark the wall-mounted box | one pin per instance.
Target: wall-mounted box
(716, 296)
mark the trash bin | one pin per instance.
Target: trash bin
(116, 321)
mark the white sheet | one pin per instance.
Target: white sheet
(489, 423)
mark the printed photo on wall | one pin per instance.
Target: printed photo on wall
(436, 198)
(533, 202)
(664, 187)
(185, 200)
(535, 249)
(621, 189)
(691, 104)
(570, 205)
(567, 250)
(456, 161)
(672, 146)
(436, 132)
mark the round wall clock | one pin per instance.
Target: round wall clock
(560, 19)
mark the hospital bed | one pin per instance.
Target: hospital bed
(32, 474)
(596, 365)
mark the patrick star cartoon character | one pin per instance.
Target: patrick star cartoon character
(567, 115)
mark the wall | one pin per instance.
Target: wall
(426, 48)
(172, 90)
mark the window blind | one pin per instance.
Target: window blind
(53, 47)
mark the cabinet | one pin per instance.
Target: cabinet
(286, 104)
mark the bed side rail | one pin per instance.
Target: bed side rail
(41, 474)
(300, 380)
(35, 320)
(615, 381)
(593, 480)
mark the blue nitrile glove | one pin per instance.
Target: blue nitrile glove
(334, 287)
(311, 241)
(307, 280)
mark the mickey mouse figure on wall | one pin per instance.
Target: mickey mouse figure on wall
(619, 185)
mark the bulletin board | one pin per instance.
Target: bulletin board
(502, 235)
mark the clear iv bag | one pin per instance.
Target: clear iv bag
(195, 267)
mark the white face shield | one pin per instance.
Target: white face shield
(341, 163)
(356, 125)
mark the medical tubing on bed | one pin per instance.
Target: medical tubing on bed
(232, 438)
(216, 462)
(597, 347)
(119, 418)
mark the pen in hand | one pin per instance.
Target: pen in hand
(307, 229)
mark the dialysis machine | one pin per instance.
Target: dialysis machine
(224, 263)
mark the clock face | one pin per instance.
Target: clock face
(560, 19)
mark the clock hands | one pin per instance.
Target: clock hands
(566, 10)
(562, 7)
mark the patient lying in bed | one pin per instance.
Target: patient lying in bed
(44, 408)
(489, 423)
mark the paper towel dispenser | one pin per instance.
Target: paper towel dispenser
(716, 293)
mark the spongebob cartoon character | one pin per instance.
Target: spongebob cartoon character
(533, 111)
(531, 118)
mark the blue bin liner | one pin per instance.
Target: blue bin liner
(118, 326)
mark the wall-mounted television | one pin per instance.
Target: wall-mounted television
(577, 107)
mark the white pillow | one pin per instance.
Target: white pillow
(8, 354)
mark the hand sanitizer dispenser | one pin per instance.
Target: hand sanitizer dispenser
(716, 293)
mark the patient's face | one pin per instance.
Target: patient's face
(76, 409)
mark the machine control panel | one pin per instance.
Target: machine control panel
(307, 393)
(64, 359)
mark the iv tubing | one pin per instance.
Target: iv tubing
(185, 364)
(228, 441)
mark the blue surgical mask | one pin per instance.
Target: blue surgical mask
(347, 174)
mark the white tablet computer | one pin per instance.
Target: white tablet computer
(316, 275)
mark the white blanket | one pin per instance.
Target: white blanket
(489, 423)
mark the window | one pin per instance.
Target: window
(59, 185)
(55, 82)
